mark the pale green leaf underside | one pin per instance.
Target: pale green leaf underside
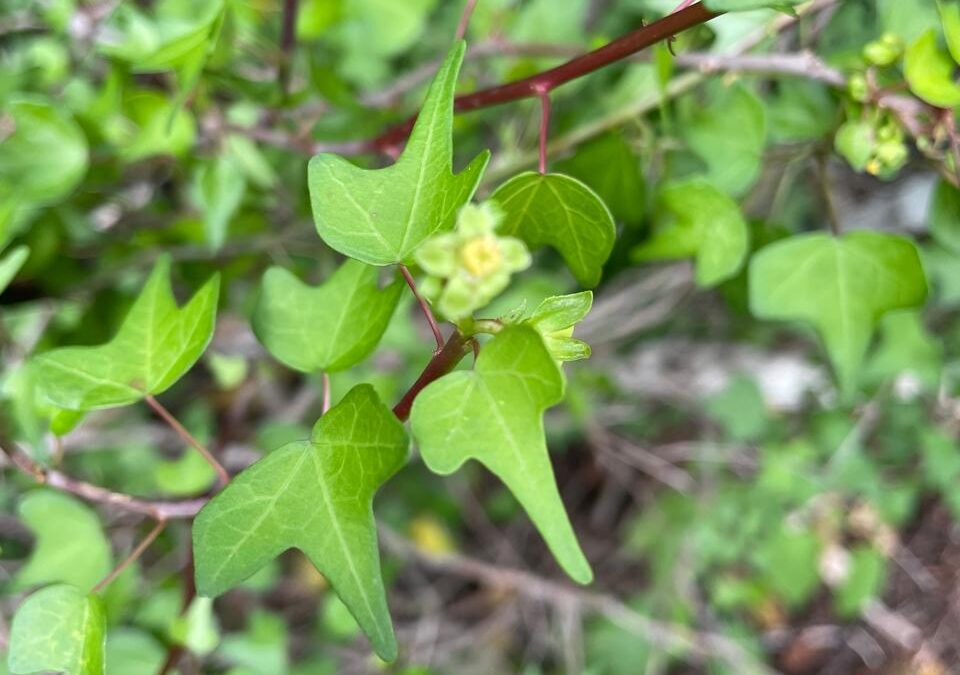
(315, 496)
(559, 211)
(314, 328)
(929, 72)
(156, 344)
(840, 285)
(494, 414)
(380, 216)
(58, 629)
(70, 546)
(697, 219)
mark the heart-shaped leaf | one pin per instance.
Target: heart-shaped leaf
(156, 344)
(696, 219)
(929, 72)
(314, 328)
(559, 211)
(58, 629)
(494, 414)
(840, 285)
(316, 496)
(381, 216)
(70, 545)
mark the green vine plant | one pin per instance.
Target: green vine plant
(416, 226)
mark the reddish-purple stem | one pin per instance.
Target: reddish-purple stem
(442, 363)
(530, 87)
(465, 19)
(544, 128)
(424, 307)
(326, 394)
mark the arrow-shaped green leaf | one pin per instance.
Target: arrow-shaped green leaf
(315, 328)
(840, 285)
(381, 216)
(559, 211)
(58, 629)
(494, 414)
(156, 344)
(316, 496)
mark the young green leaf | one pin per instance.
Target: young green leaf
(840, 285)
(559, 211)
(58, 629)
(729, 135)
(328, 327)
(10, 264)
(218, 189)
(929, 72)
(950, 17)
(494, 414)
(697, 219)
(381, 216)
(555, 319)
(316, 496)
(69, 547)
(156, 344)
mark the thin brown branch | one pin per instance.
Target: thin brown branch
(158, 510)
(130, 559)
(424, 307)
(532, 587)
(174, 423)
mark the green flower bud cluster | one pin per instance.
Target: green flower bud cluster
(876, 146)
(883, 52)
(471, 265)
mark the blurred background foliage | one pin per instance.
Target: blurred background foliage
(720, 490)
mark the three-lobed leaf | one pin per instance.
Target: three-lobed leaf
(156, 344)
(559, 211)
(841, 285)
(58, 629)
(494, 414)
(70, 546)
(316, 496)
(381, 216)
(697, 219)
(328, 327)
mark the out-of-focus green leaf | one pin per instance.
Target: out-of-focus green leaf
(864, 581)
(157, 343)
(311, 328)
(262, 647)
(840, 285)
(315, 496)
(694, 218)
(745, 5)
(610, 168)
(494, 414)
(130, 650)
(945, 215)
(729, 135)
(740, 408)
(218, 189)
(58, 629)
(11, 263)
(906, 348)
(950, 17)
(789, 563)
(69, 547)
(929, 72)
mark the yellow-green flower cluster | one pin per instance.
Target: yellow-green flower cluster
(471, 265)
